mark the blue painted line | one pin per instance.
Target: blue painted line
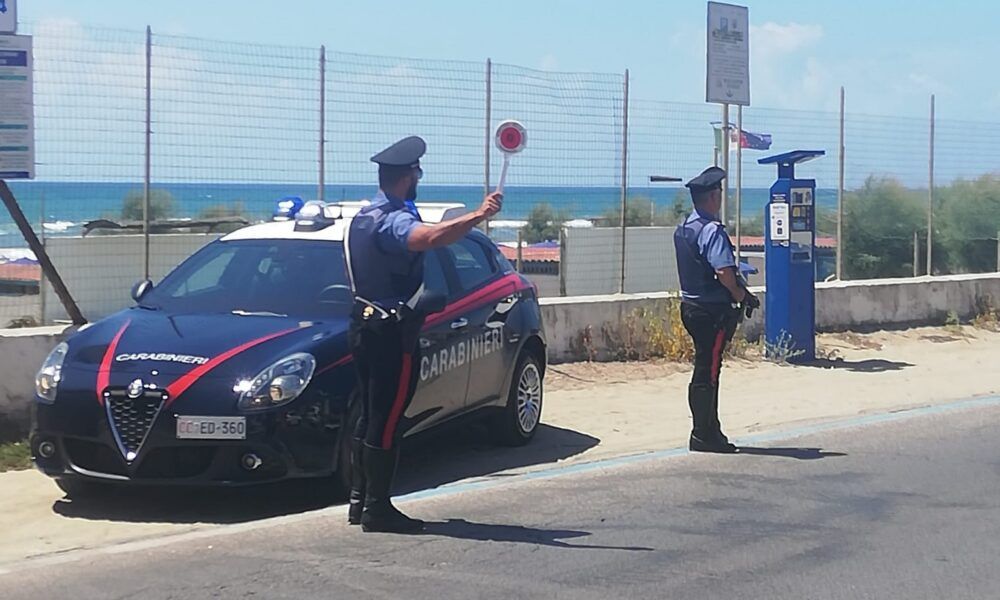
(610, 463)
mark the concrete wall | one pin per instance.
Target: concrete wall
(21, 354)
(99, 270)
(840, 305)
(858, 305)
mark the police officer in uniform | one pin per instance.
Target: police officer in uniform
(385, 246)
(714, 298)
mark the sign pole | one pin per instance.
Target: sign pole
(739, 178)
(725, 161)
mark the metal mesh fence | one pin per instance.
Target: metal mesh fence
(372, 101)
(235, 127)
(966, 197)
(89, 108)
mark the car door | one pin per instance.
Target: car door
(486, 297)
(442, 376)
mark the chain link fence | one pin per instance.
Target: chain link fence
(233, 128)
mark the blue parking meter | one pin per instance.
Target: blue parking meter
(789, 254)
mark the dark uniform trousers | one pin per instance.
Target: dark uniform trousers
(711, 327)
(386, 358)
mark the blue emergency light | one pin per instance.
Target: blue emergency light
(316, 215)
(287, 208)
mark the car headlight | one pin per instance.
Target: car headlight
(278, 384)
(48, 377)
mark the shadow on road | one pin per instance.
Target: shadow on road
(452, 456)
(466, 530)
(871, 365)
(796, 453)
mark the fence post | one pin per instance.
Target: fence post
(916, 254)
(41, 280)
(562, 261)
(624, 191)
(148, 165)
(998, 252)
(930, 195)
(321, 194)
(488, 134)
(520, 240)
(840, 195)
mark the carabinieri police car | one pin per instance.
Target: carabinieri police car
(235, 368)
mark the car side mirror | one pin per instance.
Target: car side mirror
(141, 288)
(431, 302)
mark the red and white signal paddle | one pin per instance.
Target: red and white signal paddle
(510, 139)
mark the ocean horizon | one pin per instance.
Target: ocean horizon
(64, 207)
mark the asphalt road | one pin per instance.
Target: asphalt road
(902, 509)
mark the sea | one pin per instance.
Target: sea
(62, 208)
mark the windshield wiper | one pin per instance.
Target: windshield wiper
(255, 313)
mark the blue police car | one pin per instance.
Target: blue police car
(235, 368)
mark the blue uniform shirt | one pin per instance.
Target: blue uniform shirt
(384, 270)
(703, 247)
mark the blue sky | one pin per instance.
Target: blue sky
(889, 54)
(244, 111)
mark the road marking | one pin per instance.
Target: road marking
(340, 512)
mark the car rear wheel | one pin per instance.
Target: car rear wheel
(517, 424)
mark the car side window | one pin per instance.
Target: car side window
(472, 264)
(434, 278)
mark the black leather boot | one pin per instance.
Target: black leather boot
(357, 497)
(703, 435)
(716, 425)
(379, 513)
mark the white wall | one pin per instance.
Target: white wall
(841, 305)
(99, 270)
(14, 307)
(592, 260)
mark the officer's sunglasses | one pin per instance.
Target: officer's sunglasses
(418, 173)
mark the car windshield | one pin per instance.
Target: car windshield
(258, 277)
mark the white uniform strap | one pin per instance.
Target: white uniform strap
(412, 302)
(347, 256)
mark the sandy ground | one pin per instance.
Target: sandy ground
(592, 411)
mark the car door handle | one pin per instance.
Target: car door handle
(463, 322)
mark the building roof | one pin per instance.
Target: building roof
(529, 253)
(20, 272)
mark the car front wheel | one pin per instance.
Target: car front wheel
(79, 489)
(517, 424)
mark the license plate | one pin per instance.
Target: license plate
(211, 428)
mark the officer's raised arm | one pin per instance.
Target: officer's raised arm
(425, 237)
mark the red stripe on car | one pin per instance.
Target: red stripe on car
(335, 364)
(498, 289)
(178, 387)
(104, 372)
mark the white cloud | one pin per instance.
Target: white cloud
(774, 39)
(784, 72)
(549, 63)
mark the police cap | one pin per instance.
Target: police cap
(710, 179)
(404, 153)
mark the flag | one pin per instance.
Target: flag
(745, 139)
